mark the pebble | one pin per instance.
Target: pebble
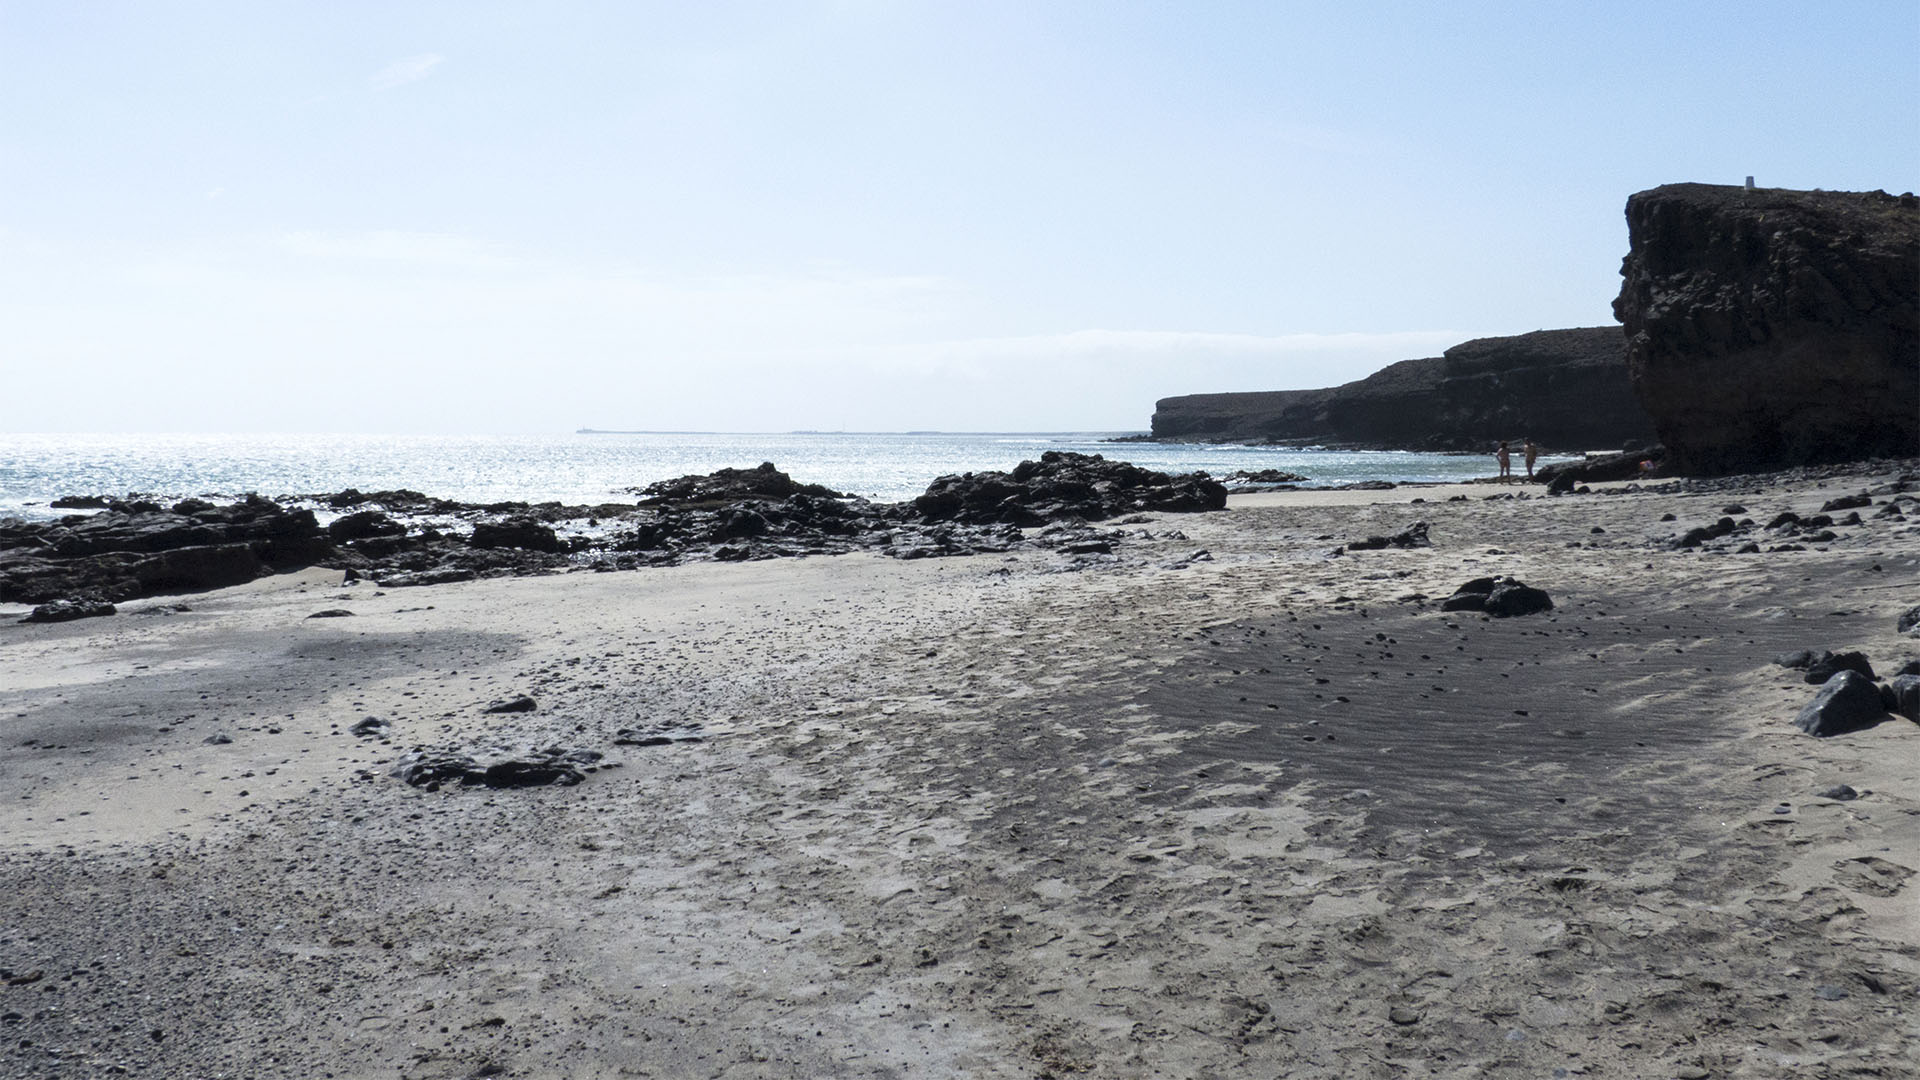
(1838, 793)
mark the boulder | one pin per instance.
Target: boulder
(363, 525)
(1906, 697)
(1063, 484)
(729, 485)
(1909, 621)
(1502, 598)
(69, 609)
(1510, 598)
(523, 533)
(1561, 478)
(1848, 702)
(1414, 535)
(1770, 328)
(1828, 664)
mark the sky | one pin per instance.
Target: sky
(475, 217)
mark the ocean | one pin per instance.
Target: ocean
(598, 467)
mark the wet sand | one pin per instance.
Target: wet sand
(989, 816)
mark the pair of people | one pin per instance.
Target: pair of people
(1505, 457)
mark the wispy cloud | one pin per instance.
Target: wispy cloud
(401, 72)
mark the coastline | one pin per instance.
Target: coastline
(993, 815)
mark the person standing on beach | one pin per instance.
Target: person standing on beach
(1532, 453)
(1505, 457)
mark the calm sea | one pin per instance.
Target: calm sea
(593, 468)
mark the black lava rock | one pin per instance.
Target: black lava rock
(1499, 597)
(523, 533)
(1909, 621)
(1906, 697)
(1848, 702)
(69, 609)
(1414, 535)
(1826, 664)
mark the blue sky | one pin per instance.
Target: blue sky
(470, 216)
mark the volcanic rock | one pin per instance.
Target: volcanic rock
(1414, 535)
(1559, 387)
(518, 532)
(364, 524)
(1905, 691)
(1770, 328)
(1502, 597)
(69, 609)
(139, 549)
(730, 485)
(1063, 484)
(1848, 702)
(1828, 664)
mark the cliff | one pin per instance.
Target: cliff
(1563, 388)
(1768, 328)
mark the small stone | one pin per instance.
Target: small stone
(517, 704)
(217, 739)
(1838, 793)
(370, 727)
(1403, 1016)
(1829, 993)
(332, 613)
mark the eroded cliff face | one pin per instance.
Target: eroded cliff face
(1770, 328)
(1564, 388)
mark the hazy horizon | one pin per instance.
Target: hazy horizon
(855, 215)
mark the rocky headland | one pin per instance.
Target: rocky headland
(1563, 388)
(1768, 328)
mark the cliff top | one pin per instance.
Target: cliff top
(1867, 213)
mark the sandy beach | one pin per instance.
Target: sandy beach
(1262, 811)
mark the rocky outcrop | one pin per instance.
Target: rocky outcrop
(1563, 388)
(1064, 484)
(135, 548)
(140, 549)
(729, 485)
(1771, 328)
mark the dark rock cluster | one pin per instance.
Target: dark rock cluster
(1413, 536)
(1851, 696)
(555, 766)
(136, 548)
(1769, 328)
(1500, 597)
(1062, 484)
(730, 485)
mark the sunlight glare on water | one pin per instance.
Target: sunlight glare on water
(595, 468)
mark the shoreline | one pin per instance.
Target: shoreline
(993, 815)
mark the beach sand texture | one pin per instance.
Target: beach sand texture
(1266, 813)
